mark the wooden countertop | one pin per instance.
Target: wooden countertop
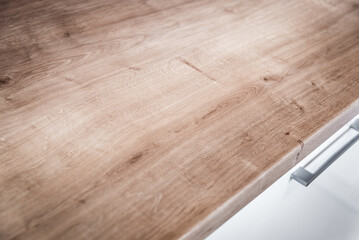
(161, 119)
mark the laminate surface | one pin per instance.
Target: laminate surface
(161, 119)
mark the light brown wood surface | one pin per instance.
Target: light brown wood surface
(161, 119)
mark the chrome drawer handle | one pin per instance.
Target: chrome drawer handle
(305, 177)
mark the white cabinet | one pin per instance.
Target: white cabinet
(327, 209)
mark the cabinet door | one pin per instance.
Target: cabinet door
(327, 209)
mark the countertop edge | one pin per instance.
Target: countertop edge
(267, 178)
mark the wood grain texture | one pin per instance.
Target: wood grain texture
(160, 119)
